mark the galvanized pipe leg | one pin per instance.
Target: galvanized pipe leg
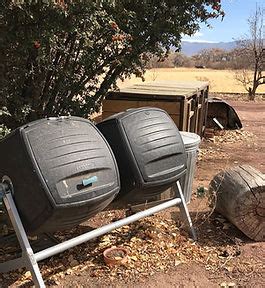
(184, 212)
(28, 259)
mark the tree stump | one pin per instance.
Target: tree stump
(240, 197)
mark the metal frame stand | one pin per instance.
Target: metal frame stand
(30, 260)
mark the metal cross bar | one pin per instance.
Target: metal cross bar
(103, 230)
(29, 259)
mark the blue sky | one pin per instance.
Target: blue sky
(233, 25)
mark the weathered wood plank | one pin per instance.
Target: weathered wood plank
(118, 105)
(169, 107)
(111, 107)
(121, 105)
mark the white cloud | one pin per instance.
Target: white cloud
(197, 40)
(197, 37)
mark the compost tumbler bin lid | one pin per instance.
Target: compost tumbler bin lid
(190, 139)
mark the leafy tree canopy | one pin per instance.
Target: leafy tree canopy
(61, 57)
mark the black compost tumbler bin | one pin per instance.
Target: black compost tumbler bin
(63, 172)
(149, 151)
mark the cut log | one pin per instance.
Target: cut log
(240, 197)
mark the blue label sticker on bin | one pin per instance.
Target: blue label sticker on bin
(90, 180)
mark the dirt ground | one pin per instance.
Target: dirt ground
(233, 260)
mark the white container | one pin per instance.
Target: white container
(191, 143)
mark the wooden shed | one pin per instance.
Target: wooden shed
(185, 102)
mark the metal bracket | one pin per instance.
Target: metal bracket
(29, 259)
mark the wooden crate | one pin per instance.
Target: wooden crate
(185, 102)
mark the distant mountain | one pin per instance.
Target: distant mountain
(192, 48)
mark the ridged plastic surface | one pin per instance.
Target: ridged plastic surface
(63, 172)
(67, 153)
(148, 148)
(155, 144)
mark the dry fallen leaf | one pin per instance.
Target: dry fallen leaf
(177, 262)
(229, 268)
(27, 274)
(168, 247)
(74, 263)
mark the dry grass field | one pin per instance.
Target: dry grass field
(221, 81)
